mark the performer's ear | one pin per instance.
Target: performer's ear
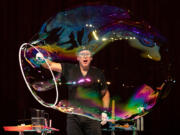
(91, 58)
(77, 58)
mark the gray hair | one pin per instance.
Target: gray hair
(82, 48)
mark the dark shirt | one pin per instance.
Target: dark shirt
(82, 89)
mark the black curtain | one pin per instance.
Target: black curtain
(21, 19)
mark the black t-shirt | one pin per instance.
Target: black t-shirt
(83, 88)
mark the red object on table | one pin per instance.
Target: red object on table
(26, 128)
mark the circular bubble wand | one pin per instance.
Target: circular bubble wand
(23, 46)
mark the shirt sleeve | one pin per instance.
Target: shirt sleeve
(103, 84)
(65, 68)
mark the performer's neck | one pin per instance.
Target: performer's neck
(84, 68)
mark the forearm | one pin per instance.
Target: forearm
(54, 66)
(46, 63)
(106, 99)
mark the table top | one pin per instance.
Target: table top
(29, 128)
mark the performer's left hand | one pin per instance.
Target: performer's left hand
(104, 118)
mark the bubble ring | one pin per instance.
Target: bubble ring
(54, 79)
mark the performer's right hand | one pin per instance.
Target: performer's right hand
(40, 58)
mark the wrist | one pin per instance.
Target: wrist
(106, 110)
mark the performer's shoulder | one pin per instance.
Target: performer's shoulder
(69, 65)
(96, 69)
(93, 67)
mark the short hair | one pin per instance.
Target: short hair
(82, 48)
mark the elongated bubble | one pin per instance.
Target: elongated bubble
(132, 54)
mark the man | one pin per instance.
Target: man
(78, 125)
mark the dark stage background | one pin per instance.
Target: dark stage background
(21, 19)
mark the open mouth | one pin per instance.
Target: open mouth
(85, 61)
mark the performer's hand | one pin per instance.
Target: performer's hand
(104, 118)
(40, 58)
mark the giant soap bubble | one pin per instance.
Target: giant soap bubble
(132, 54)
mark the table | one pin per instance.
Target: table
(43, 130)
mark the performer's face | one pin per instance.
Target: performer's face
(84, 57)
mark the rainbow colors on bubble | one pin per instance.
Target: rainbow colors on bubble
(96, 27)
(142, 101)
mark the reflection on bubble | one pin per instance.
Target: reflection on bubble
(132, 53)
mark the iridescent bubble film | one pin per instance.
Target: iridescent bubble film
(39, 81)
(133, 55)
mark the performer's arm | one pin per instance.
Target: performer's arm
(105, 98)
(53, 65)
(105, 101)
